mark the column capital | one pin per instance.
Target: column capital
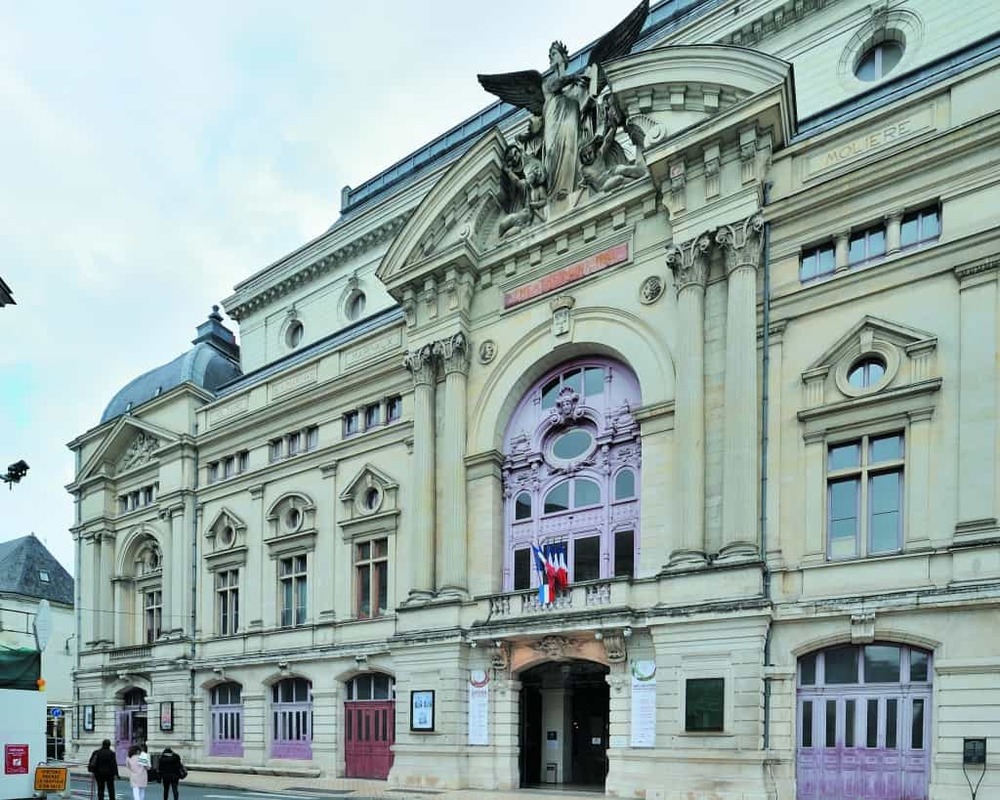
(422, 364)
(689, 261)
(453, 352)
(742, 243)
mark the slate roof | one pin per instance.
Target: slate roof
(212, 362)
(21, 560)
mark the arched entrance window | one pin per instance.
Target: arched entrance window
(291, 719)
(369, 726)
(130, 722)
(571, 473)
(864, 722)
(227, 720)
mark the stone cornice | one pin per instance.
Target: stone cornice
(304, 267)
(773, 22)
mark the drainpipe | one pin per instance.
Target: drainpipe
(764, 406)
(78, 611)
(194, 589)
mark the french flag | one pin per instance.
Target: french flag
(546, 591)
(562, 570)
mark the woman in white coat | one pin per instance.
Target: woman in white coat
(137, 764)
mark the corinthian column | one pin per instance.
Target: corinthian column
(453, 547)
(689, 263)
(106, 602)
(421, 364)
(741, 246)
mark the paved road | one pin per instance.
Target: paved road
(81, 790)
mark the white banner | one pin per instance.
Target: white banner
(643, 704)
(479, 707)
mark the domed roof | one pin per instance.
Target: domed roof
(211, 363)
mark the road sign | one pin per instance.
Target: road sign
(50, 779)
(56, 713)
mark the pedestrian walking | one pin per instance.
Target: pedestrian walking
(138, 771)
(171, 771)
(103, 765)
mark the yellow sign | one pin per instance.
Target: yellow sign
(51, 779)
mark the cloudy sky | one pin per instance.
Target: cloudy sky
(152, 155)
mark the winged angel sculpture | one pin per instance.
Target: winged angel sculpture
(564, 127)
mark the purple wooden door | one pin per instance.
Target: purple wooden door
(123, 734)
(369, 732)
(859, 740)
(227, 731)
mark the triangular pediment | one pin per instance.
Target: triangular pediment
(450, 225)
(369, 477)
(130, 444)
(864, 334)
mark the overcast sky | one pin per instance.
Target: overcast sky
(152, 155)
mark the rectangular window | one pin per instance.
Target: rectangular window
(294, 443)
(891, 722)
(292, 590)
(918, 666)
(865, 496)
(372, 415)
(807, 723)
(350, 423)
(227, 587)
(147, 496)
(871, 739)
(312, 437)
(624, 554)
(817, 261)
(274, 449)
(807, 670)
(123, 504)
(917, 725)
(704, 700)
(841, 665)
(831, 723)
(522, 568)
(849, 722)
(587, 559)
(153, 602)
(243, 461)
(920, 227)
(866, 245)
(393, 409)
(371, 573)
(229, 467)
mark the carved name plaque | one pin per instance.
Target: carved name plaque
(293, 382)
(222, 414)
(375, 347)
(885, 135)
(611, 257)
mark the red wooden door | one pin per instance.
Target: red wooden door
(369, 731)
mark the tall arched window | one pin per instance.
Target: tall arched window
(571, 473)
(291, 719)
(227, 720)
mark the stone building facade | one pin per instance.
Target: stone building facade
(720, 348)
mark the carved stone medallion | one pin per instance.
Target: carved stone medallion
(487, 351)
(651, 290)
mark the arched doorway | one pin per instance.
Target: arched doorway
(369, 726)
(563, 734)
(291, 719)
(131, 725)
(864, 723)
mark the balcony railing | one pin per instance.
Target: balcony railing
(134, 653)
(575, 598)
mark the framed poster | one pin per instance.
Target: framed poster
(88, 718)
(167, 715)
(422, 710)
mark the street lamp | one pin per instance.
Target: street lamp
(14, 473)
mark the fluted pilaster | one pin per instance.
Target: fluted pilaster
(689, 262)
(741, 247)
(452, 553)
(422, 366)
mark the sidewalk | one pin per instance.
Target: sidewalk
(357, 789)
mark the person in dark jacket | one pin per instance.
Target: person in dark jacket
(171, 771)
(103, 765)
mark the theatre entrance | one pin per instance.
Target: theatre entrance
(563, 733)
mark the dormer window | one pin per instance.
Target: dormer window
(43, 576)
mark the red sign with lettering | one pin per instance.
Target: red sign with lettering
(571, 274)
(15, 759)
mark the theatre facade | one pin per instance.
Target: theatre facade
(638, 434)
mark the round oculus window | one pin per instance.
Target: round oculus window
(866, 373)
(293, 334)
(878, 61)
(372, 499)
(572, 444)
(293, 518)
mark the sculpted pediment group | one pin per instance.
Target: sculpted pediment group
(656, 120)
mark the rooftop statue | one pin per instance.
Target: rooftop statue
(564, 104)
